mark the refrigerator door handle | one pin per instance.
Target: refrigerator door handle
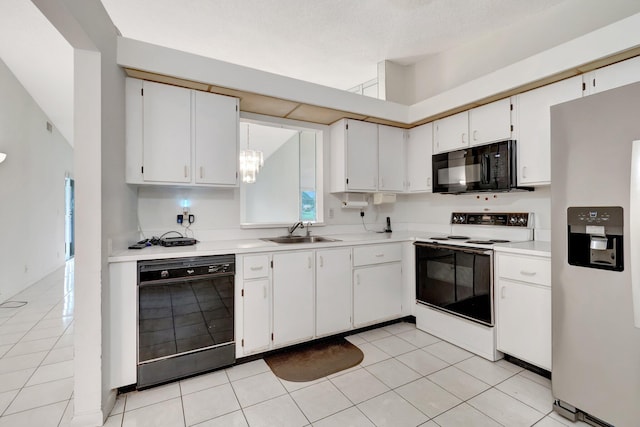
(634, 230)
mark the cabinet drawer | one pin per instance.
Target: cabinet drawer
(525, 268)
(376, 254)
(255, 266)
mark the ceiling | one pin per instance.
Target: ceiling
(336, 43)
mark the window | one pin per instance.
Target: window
(287, 186)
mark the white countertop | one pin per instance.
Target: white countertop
(243, 246)
(534, 247)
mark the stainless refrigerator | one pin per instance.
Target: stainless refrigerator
(595, 243)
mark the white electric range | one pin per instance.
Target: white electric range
(454, 278)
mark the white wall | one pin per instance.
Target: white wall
(452, 68)
(117, 207)
(32, 180)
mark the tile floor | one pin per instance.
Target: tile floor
(407, 378)
(36, 354)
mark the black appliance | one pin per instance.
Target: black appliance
(458, 280)
(185, 317)
(489, 167)
(178, 241)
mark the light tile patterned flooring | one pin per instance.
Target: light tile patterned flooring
(36, 354)
(407, 378)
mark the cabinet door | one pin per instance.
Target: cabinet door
(377, 293)
(362, 156)
(534, 128)
(418, 158)
(490, 123)
(333, 291)
(293, 314)
(167, 133)
(390, 158)
(216, 139)
(524, 321)
(612, 76)
(451, 133)
(256, 326)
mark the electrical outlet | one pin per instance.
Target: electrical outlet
(180, 219)
(192, 218)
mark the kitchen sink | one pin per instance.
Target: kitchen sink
(299, 239)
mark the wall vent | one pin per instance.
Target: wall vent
(49, 127)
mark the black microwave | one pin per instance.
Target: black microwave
(490, 167)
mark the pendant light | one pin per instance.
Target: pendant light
(250, 162)
(2, 157)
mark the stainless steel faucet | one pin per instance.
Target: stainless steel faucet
(308, 228)
(294, 226)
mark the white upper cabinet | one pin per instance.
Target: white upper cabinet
(612, 76)
(390, 158)
(180, 136)
(419, 145)
(480, 125)
(354, 156)
(166, 130)
(451, 133)
(216, 139)
(490, 123)
(533, 128)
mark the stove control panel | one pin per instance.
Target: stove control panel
(512, 219)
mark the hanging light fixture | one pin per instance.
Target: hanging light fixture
(250, 162)
(2, 157)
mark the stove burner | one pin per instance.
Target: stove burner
(480, 242)
(499, 241)
(458, 237)
(439, 238)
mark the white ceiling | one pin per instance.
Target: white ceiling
(336, 43)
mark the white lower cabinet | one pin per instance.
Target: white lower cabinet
(333, 291)
(293, 307)
(286, 298)
(523, 308)
(377, 283)
(256, 327)
(254, 335)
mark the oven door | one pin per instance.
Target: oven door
(456, 280)
(484, 168)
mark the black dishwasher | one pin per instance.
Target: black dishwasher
(185, 317)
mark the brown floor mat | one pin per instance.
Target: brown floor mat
(314, 361)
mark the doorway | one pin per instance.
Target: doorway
(69, 214)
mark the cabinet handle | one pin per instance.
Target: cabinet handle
(309, 262)
(503, 292)
(462, 137)
(357, 279)
(201, 173)
(527, 273)
(185, 171)
(379, 255)
(381, 182)
(264, 292)
(256, 268)
(428, 182)
(475, 135)
(321, 261)
(524, 171)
